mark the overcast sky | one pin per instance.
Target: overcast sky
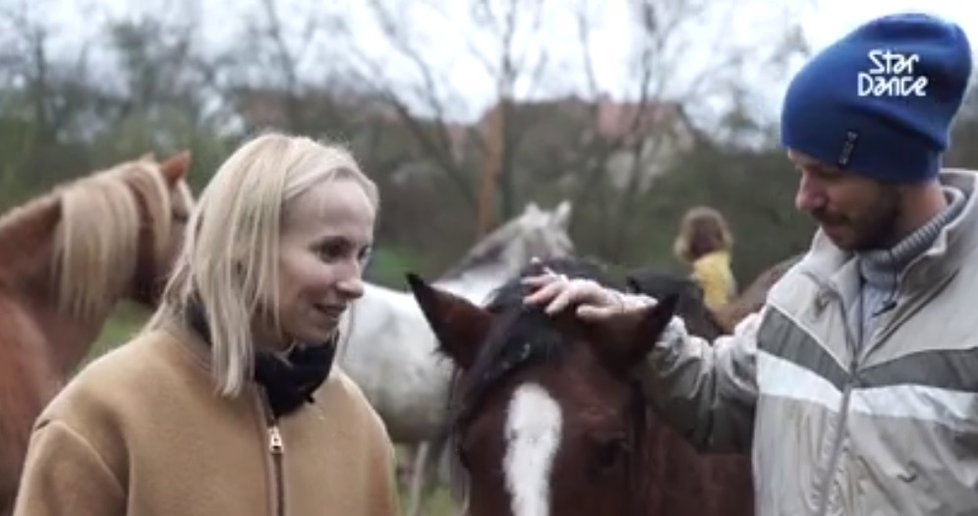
(751, 23)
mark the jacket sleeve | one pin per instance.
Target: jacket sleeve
(707, 392)
(64, 475)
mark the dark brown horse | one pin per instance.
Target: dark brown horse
(699, 319)
(549, 421)
(65, 259)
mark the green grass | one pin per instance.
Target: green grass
(438, 503)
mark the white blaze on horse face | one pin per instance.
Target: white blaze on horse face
(533, 429)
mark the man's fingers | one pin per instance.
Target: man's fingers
(545, 293)
(538, 281)
(593, 313)
(567, 295)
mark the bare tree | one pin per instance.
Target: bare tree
(426, 107)
(681, 60)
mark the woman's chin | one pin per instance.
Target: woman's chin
(316, 335)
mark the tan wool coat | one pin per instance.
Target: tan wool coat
(141, 432)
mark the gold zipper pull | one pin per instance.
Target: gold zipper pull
(275, 444)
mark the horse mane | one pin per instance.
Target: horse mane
(96, 244)
(525, 334)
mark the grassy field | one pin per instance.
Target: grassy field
(128, 318)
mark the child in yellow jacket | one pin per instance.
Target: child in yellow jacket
(705, 242)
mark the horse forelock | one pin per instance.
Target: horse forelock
(97, 240)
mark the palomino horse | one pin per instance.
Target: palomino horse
(390, 351)
(65, 259)
(548, 419)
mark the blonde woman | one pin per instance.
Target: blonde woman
(227, 402)
(704, 242)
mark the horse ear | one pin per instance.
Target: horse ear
(562, 214)
(459, 325)
(175, 168)
(627, 348)
(633, 284)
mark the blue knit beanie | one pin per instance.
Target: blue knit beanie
(880, 101)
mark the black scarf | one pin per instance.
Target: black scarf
(287, 381)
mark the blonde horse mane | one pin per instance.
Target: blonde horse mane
(96, 245)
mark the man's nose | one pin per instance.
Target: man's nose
(810, 196)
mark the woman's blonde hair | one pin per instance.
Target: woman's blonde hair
(229, 261)
(703, 230)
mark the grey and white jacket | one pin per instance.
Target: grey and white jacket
(838, 426)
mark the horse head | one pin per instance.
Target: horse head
(545, 417)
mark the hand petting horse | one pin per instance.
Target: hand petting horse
(548, 419)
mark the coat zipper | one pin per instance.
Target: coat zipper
(843, 410)
(276, 449)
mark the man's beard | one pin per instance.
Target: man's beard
(874, 228)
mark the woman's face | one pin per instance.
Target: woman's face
(326, 237)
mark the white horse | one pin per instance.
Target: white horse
(390, 351)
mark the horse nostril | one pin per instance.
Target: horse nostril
(609, 455)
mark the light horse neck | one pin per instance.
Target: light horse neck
(504, 252)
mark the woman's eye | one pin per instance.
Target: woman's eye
(331, 252)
